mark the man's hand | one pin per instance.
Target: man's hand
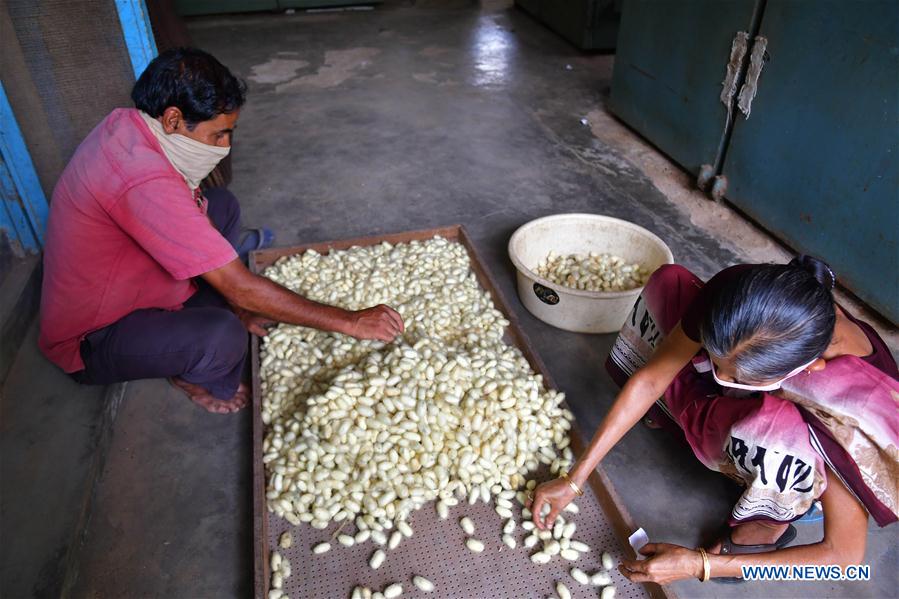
(381, 322)
(253, 322)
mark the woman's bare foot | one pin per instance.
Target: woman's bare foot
(201, 396)
(753, 533)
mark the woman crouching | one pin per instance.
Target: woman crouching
(771, 383)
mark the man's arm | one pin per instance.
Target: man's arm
(257, 294)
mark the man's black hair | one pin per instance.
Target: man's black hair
(191, 80)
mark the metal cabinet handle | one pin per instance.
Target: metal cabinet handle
(734, 64)
(750, 87)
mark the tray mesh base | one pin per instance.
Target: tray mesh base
(437, 551)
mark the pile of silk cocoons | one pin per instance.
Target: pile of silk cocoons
(369, 432)
(592, 272)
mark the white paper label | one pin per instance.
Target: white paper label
(638, 540)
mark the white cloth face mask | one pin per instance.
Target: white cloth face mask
(769, 387)
(194, 160)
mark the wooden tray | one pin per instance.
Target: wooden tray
(264, 530)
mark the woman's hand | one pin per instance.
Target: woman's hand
(557, 493)
(665, 563)
(636, 397)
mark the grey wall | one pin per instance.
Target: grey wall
(64, 66)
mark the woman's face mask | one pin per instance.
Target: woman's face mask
(768, 387)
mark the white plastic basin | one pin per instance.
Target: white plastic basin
(575, 309)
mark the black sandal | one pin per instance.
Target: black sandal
(728, 547)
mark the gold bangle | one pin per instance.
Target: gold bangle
(577, 490)
(706, 565)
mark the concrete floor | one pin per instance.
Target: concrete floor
(409, 116)
(49, 428)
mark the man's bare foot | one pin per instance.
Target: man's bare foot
(201, 396)
(753, 533)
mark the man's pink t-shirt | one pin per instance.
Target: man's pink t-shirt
(125, 232)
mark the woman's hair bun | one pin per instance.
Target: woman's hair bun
(817, 268)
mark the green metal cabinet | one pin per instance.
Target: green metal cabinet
(210, 7)
(669, 66)
(588, 24)
(324, 3)
(817, 161)
(804, 137)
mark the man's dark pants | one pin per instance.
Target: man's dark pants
(204, 343)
